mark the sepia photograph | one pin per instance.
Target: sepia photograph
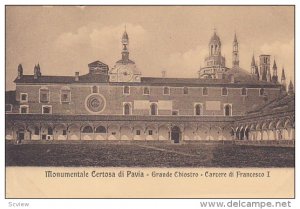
(145, 90)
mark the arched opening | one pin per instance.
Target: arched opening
(198, 109)
(175, 134)
(100, 130)
(227, 110)
(247, 130)
(87, 129)
(127, 109)
(153, 109)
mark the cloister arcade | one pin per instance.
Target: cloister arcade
(118, 131)
(278, 129)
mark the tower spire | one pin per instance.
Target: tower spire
(283, 81)
(125, 43)
(275, 76)
(235, 53)
(291, 87)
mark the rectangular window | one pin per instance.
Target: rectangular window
(205, 91)
(24, 109)
(47, 110)
(24, 97)
(146, 91)
(36, 131)
(138, 132)
(244, 91)
(44, 96)
(64, 132)
(185, 90)
(150, 132)
(126, 90)
(166, 90)
(8, 108)
(175, 112)
(65, 96)
(113, 133)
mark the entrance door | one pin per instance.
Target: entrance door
(175, 134)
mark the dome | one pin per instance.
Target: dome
(241, 75)
(215, 39)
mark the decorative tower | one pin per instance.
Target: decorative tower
(291, 88)
(235, 53)
(253, 65)
(264, 67)
(125, 69)
(283, 81)
(37, 71)
(268, 75)
(257, 72)
(214, 63)
(20, 71)
(275, 76)
(125, 42)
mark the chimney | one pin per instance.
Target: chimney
(163, 73)
(76, 76)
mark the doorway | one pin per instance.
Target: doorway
(175, 134)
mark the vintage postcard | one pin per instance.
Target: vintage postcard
(150, 101)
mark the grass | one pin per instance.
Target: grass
(148, 154)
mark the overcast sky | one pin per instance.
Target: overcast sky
(172, 38)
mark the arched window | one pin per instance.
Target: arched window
(211, 49)
(127, 109)
(227, 110)
(100, 129)
(146, 91)
(204, 91)
(126, 90)
(244, 91)
(224, 91)
(198, 109)
(94, 89)
(87, 129)
(153, 109)
(261, 91)
(185, 90)
(166, 90)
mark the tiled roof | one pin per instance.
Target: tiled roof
(241, 79)
(88, 78)
(286, 103)
(207, 82)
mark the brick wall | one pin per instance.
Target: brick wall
(115, 98)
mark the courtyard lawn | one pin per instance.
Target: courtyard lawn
(147, 154)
